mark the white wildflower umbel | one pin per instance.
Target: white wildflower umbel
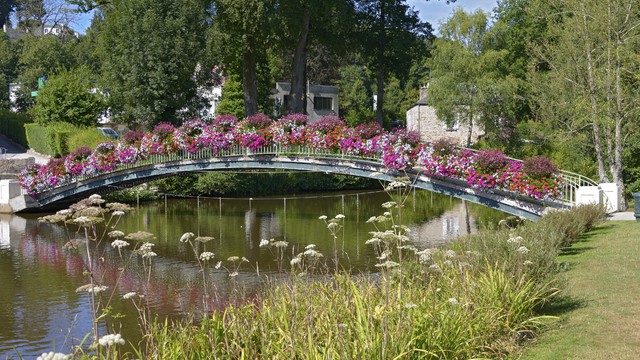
(264, 243)
(53, 356)
(119, 244)
(129, 295)
(116, 234)
(186, 237)
(339, 216)
(206, 256)
(453, 301)
(522, 250)
(295, 261)
(111, 339)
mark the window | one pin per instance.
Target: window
(322, 103)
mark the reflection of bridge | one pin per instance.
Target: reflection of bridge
(305, 159)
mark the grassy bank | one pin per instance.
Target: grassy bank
(600, 308)
(480, 297)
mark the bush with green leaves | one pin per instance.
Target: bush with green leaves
(69, 96)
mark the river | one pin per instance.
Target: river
(41, 311)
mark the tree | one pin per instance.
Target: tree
(35, 14)
(241, 33)
(7, 7)
(464, 76)
(390, 35)
(149, 51)
(8, 68)
(584, 75)
(232, 101)
(71, 97)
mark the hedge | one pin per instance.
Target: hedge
(50, 140)
(13, 124)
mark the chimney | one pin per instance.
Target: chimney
(423, 92)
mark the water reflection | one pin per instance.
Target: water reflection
(39, 306)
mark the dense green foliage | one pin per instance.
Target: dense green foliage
(12, 126)
(85, 136)
(69, 97)
(149, 51)
(52, 139)
(260, 184)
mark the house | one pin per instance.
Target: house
(39, 31)
(321, 99)
(421, 117)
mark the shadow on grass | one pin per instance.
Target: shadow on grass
(562, 304)
(574, 250)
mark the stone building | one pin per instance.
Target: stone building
(421, 117)
(321, 99)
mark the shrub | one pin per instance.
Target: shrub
(490, 160)
(444, 146)
(12, 125)
(539, 167)
(85, 137)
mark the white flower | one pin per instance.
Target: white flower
(310, 246)
(65, 212)
(372, 219)
(388, 264)
(323, 217)
(435, 268)
(129, 295)
(116, 234)
(514, 240)
(146, 246)
(410, 305)
(373, 241)
(339, 216)
(218, 264)
(111, 339)
(233, 274)
(97, 289)
(244, 259)
(450, 254)
(312, 253)
(149, 254)
(95, 197)
(187, 237)
(233, 258)
(280, 244)
(448, 263)
(453, 301)
(389, 204)
(118, 213)
(53, 356)
(119, 244)
(522, 250)
(264, 243)
(206, 256)
(527, 263)
(295, 261)
(387, 214)
(82, 220)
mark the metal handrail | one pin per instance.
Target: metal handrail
(571, 181)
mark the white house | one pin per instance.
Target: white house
(321, 99)
(421, 117)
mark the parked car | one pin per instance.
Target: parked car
(109, 132)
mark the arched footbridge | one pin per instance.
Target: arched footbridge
(301, 159)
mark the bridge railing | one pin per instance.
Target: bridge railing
(571, 181)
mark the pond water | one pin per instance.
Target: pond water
(41, 311)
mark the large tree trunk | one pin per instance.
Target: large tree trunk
(297, 95)
(597, 138)
(249, 78)
(381, 45)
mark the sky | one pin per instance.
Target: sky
(432, 11)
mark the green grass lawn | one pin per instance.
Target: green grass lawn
(599, 310)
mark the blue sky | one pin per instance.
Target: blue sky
(433, 11)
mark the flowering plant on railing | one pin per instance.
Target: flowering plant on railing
(325, 133)
(103, 158)
(400, 149)
(75, 162)
(289, 129)
(160, 140)
(485, 170)
(253, 132)
(186, 136)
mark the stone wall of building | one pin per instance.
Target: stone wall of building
(422, 118)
